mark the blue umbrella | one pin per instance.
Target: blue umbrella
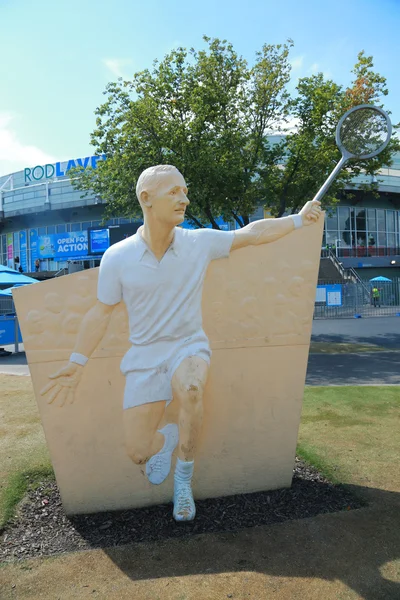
(380, 278)
(7, 269)
(14, 278)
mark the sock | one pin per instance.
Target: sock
(169, 439)
(184, 470)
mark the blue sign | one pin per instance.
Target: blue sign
(7, 331)
(331, 295)
(50, 170)
(99, 240)
(33, 245)
(23, 251)
(63, 245)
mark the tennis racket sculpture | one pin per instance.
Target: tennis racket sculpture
(362, 133)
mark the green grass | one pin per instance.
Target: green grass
(24, 458)
(352, 435)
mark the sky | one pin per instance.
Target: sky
(58, 56)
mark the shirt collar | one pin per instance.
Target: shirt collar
(142, 247)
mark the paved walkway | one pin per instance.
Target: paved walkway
(354, 369)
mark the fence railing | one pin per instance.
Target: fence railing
(357, 299)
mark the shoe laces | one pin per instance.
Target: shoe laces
(157, 463)
(184, 500)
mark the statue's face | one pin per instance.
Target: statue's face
(169, 199)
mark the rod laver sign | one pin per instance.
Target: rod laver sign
(57, 170)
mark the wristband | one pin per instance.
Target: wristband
(297, 220)
(79, 359)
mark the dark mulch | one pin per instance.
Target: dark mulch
(41, 527)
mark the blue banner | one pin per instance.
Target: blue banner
(23, 251)
(7, 331)
(33, 239)
(63, 245)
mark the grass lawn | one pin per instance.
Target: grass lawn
(350, 433)
(23, 452)
(353, 434)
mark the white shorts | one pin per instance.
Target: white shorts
(154, 384)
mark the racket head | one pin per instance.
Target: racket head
(363, 132)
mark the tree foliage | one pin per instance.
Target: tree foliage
(212, 115)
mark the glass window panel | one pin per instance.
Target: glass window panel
(371, 239)
(76, 226)
(391, 240)
(51, 229)
(344, 218)
(361, 238)
(381, 220)
(361, 219)
(61, 228)
(331, 237)
(371, 219)
(86, 225)
(42, 231)
(390, 220)
(331, 221)
(381, 238)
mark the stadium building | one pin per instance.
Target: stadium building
(47, 227)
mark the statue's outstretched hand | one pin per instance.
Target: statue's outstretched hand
(63, 385)
(311, 212)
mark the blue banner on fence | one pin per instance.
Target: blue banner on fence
(7, 331)
(63, 245)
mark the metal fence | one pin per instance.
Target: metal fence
(356, 299)
(6, 305)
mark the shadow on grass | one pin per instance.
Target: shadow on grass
(351, 547)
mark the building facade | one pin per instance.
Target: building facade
(44, 221)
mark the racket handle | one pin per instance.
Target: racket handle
(322, 191)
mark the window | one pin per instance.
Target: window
(61, 228)
(390, 220)
(42, 231)
(371, 220)
(381, 220)
(361, 221)
(51, 229)
(330, 221)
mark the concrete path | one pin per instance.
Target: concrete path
(381, 368)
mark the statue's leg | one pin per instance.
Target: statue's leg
(188, 384)
(142, 440)
(143, 412)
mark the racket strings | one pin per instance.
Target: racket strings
(364, 132)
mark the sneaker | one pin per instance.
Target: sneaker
(159, 465)
(184, 507)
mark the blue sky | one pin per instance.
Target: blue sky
(57, 57)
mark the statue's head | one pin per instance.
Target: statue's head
(162, 193)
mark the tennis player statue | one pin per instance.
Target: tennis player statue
(159, 274)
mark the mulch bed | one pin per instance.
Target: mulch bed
(41, 527)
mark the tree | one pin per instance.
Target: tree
(209, 113)
(311, 149)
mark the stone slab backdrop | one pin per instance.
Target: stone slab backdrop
(257, 311)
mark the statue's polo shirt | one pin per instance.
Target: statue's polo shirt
(163, 298)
